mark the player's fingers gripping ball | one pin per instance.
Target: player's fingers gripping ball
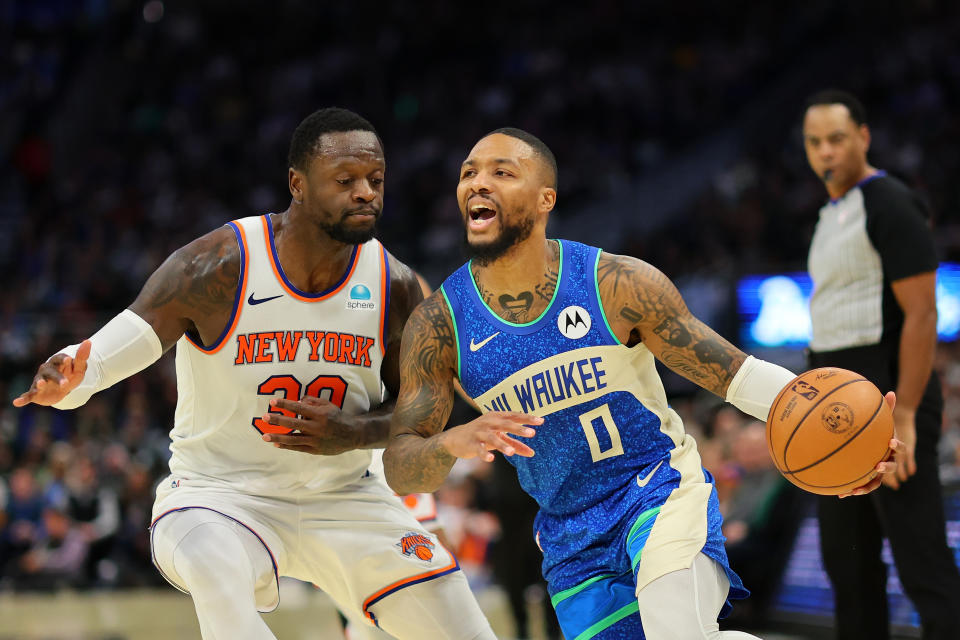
(828, 429)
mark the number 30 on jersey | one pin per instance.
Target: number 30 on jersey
(290, 387)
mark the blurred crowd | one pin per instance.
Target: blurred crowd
(130, 128)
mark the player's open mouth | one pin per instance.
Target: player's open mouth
(481, 214)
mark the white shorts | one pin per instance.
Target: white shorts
(358, 544)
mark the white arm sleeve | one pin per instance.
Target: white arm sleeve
(125, 345)
(756, 386)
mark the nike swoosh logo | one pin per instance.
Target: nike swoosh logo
(478, 345)
(253, 300)
(642, 483)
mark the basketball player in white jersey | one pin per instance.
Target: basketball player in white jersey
(287, 328)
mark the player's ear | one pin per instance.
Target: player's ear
(295, 181)
(547, 200)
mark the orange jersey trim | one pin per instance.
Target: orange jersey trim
(406, 582)
(384, 298)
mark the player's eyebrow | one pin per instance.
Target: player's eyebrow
(469, 162)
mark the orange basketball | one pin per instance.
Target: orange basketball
(423, 552)
(828, 429)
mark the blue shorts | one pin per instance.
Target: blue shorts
(605, 607)
(602, 608)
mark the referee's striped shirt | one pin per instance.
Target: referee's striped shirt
(875, 234)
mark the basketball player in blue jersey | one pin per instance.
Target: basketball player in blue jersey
(287, 329)
(556, 341)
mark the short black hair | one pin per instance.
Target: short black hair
(538, 146)
(835, 96)
(328, 120)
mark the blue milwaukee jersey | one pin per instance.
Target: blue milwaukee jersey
(619, 484)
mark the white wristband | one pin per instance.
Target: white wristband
(125, 345)
(756, 385)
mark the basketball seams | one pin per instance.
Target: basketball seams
(849, 440)
(853, 484)
(800, 422)
(776, 403)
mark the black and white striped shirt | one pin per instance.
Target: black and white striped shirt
(875, 234)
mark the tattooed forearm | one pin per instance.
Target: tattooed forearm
(711, 362)
(679, 363)
(714, 352)
(415, 465)
(651, 307)
(415, 460)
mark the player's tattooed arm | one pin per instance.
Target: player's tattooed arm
(645, 306)
(420, 452)
(405, 295)
(415, 459)
(193, 290)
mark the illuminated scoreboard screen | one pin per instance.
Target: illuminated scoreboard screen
(774, 309)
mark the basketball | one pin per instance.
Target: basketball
(828, 429)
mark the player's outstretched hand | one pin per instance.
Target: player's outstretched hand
(55, 378)
(322, 429)
(887, 466)
(490, 432)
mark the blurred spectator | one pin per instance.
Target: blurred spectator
(58, 556)
(760, 522)
(23, 519)
(94, 507)
(514, 556)
(469, 530)
(131, 554)
(59, 459)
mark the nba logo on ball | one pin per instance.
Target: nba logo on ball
(574, 322)
(360, 298)
(416, 544)
(827, 439)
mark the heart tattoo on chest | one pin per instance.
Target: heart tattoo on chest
(518, 304)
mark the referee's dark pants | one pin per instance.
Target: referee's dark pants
(852, 532)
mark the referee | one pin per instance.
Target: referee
(873, 309)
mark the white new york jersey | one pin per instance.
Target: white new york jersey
(280, 342)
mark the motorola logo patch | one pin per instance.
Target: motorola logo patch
(574, 322)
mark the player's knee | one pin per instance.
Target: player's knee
(441, 608)
(212, 557)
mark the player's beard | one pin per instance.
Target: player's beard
(510, 235)
(342, 233)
